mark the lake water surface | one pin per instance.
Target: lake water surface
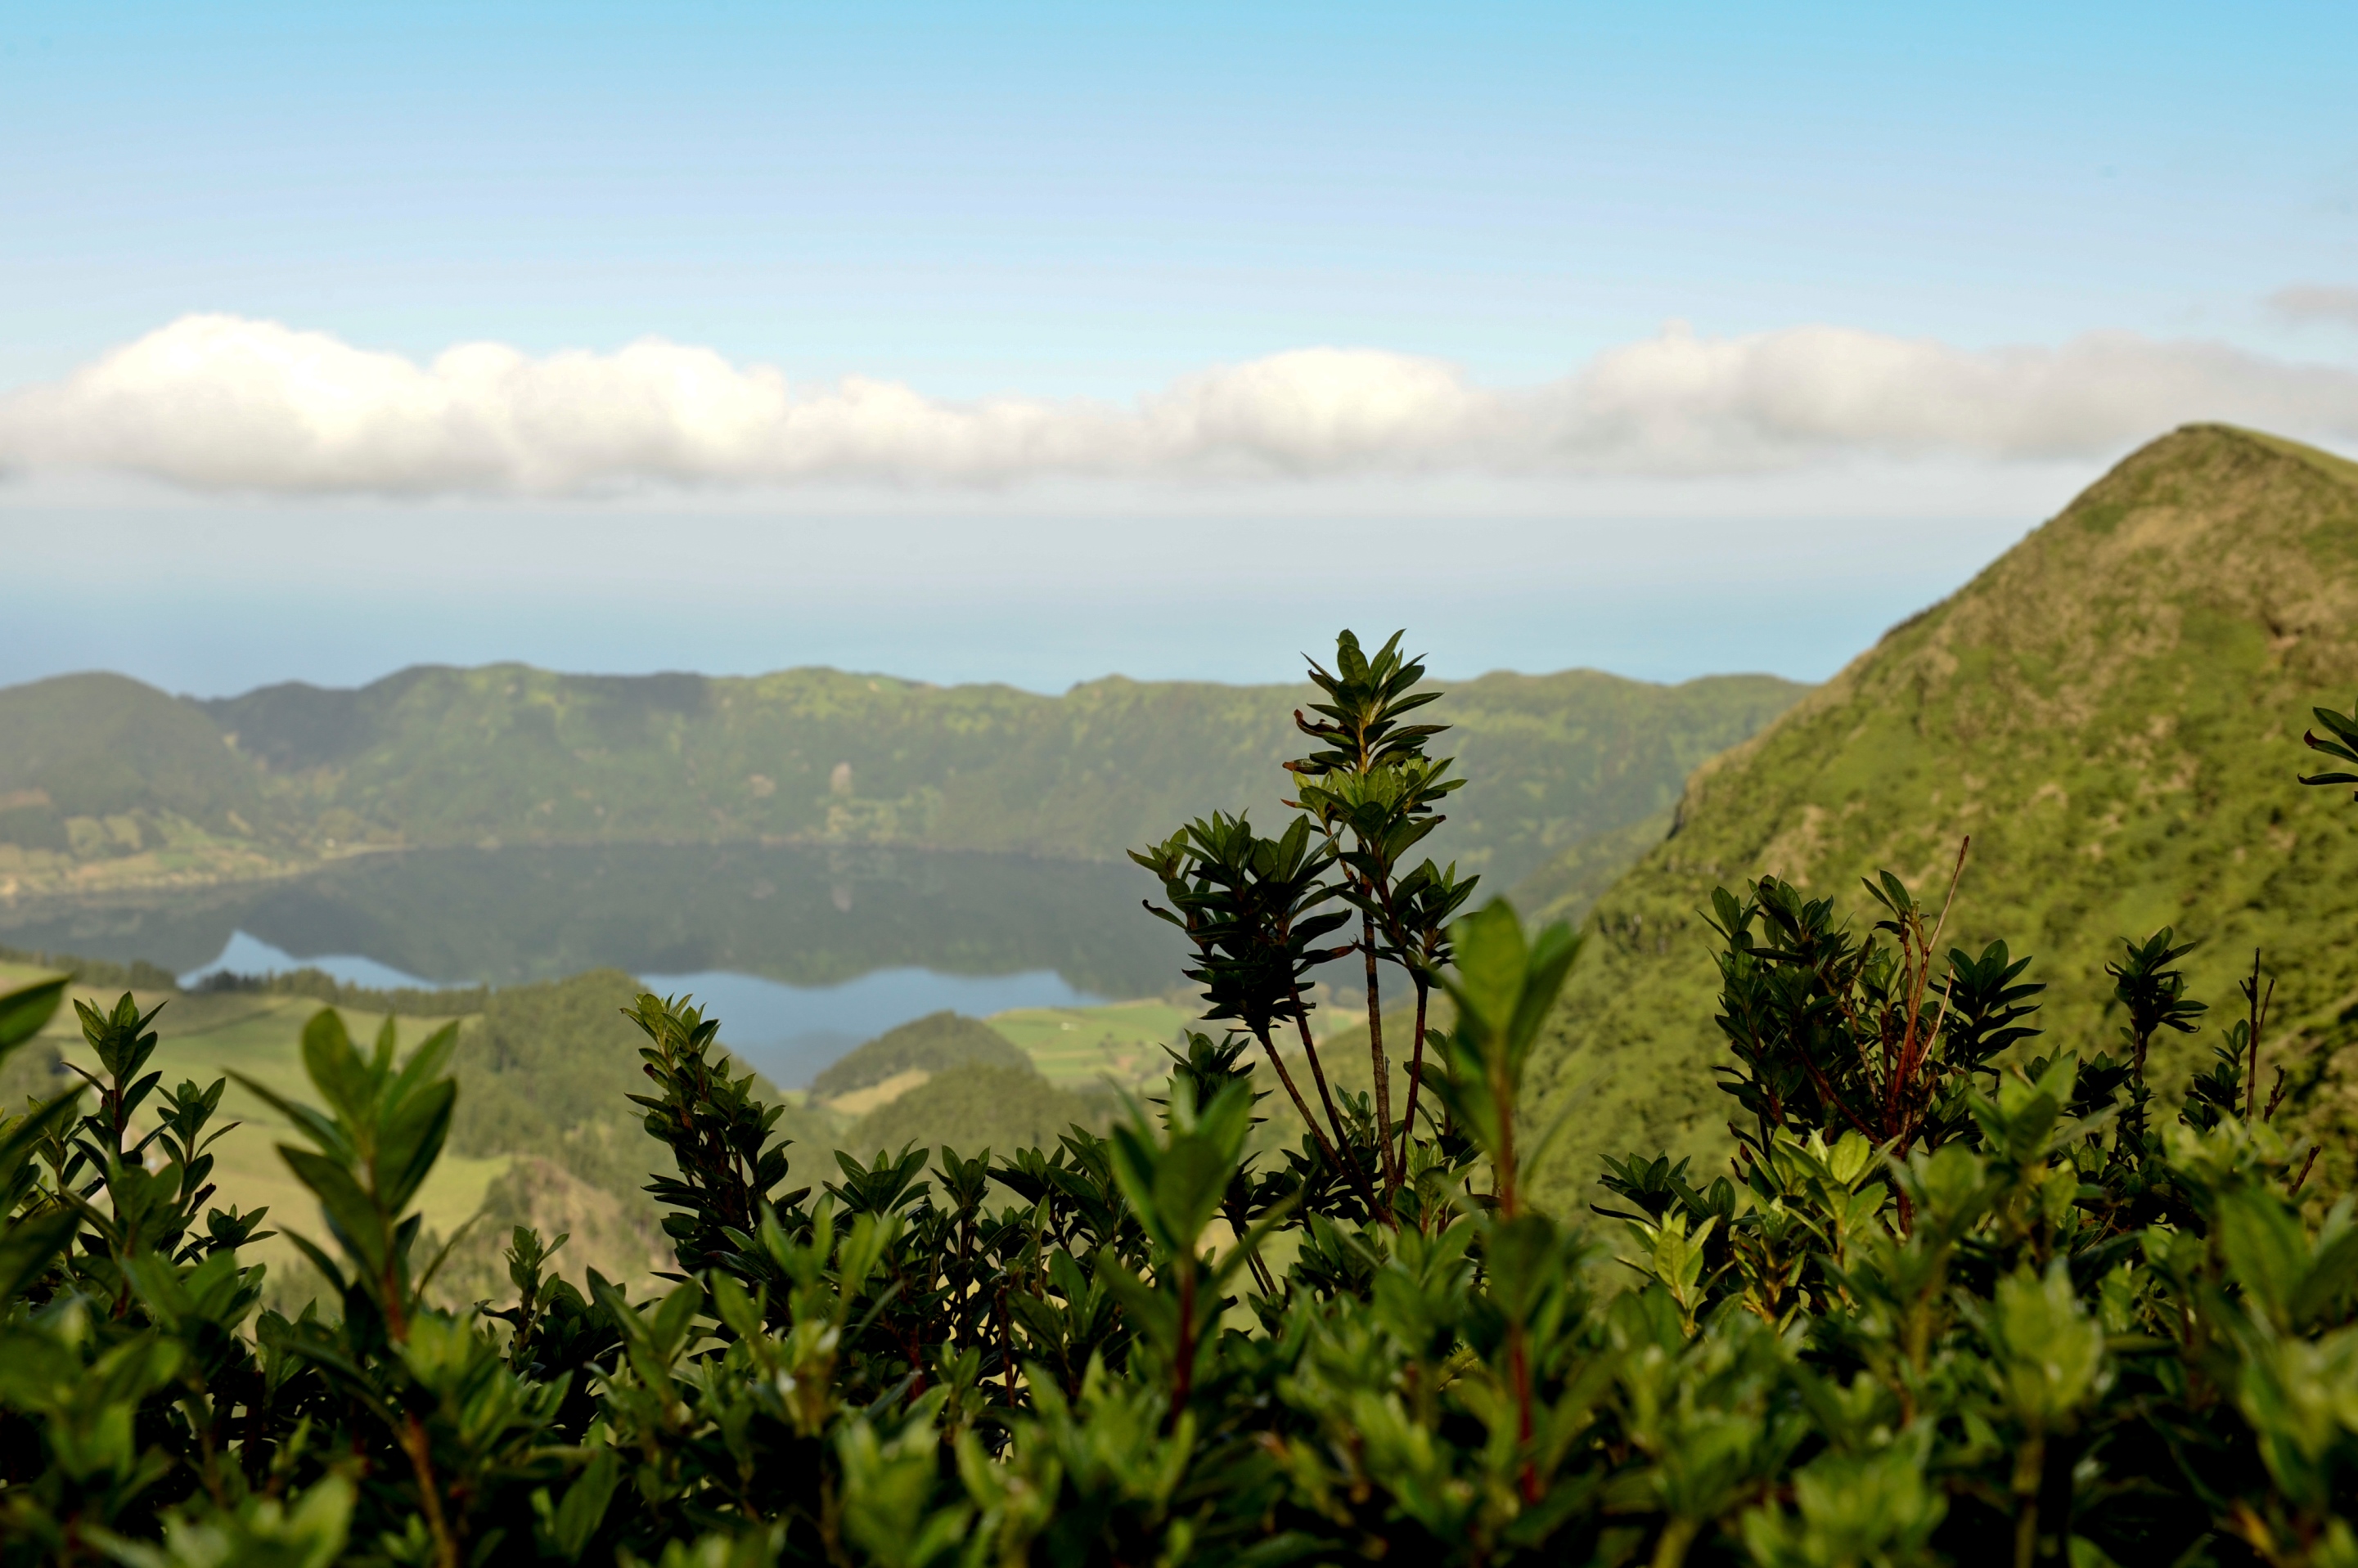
(802, 953)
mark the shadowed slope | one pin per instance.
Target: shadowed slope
(102, 746)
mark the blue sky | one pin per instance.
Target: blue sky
(1043, 204)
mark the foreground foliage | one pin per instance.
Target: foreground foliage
(1967, 1293)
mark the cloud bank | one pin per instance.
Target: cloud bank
(221, 404)
(2306, 302)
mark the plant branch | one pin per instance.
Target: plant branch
(1415, 1070)
(2259, 1019)
(420, 1449)
(1350, 1158)
(1381, 1068)
(1300, 1105)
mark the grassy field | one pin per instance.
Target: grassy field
(1075, 1046)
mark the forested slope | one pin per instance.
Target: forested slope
(107, 783)
(2113, 711)
(100, 774)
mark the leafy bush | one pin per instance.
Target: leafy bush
(1961, 1298)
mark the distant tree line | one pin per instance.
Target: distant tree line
(99, 973)
(416, 1002)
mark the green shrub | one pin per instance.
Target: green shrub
(1963, 1297)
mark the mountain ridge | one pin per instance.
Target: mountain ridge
(2113, 711)
(444, 756)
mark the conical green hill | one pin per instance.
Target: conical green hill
(2113, 711)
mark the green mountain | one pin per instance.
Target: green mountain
(2113, 711)
(549, 1069)
(436, 756)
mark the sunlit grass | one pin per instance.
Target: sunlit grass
(1122, 1041)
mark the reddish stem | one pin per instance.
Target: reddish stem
(1383, 1074)
(1415, 1073)
(1326, 1097)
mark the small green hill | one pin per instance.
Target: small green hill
(980, 1105)
(933, 1043)
(547, 1071)
(2112, 709)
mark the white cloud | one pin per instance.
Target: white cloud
(221, 404)
(2305, 302)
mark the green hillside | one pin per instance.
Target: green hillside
(928, 1045)
(101, 774)
(973, 1106)
(2112, 709)
(520, 756)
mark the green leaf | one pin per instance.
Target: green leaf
(1188, 1184)
(1488, 982)
(411, 1141)
(1550, 958)
(1135, 1159)
(337, 1071)
(1505, 987)
(426, 1064)
(2331, 1277)
(669, 1326)
(2049, 1353)
(318, 1129)
(566, 1530)
(358, 1222)
(26, 1009)
(2266, 1251)
(28, 1246)
(1153, 1312)
(740, 1310)
(24, 1135)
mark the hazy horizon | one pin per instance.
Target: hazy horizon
(234, 602)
